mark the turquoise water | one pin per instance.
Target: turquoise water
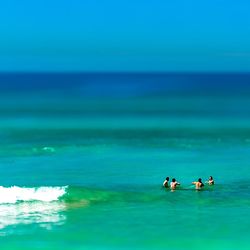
(83, 168)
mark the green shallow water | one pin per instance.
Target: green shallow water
(114, 197)
(149, 217)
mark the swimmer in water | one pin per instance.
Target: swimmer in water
(174, 183)
(198, 184)
(210, 180)
(165, 183)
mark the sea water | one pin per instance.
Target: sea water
(84, 156)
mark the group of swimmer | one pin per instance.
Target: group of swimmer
(198, 184)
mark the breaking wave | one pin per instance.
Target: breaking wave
(15, 194)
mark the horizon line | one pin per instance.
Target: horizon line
(126, 72)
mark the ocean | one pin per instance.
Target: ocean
(83, 158)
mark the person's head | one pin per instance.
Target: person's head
(210, 178)
(167, 179)
(173, 180)
(199, 180)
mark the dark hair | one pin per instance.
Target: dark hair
(211, 177)
(199, 180)
(167, 178)
(173, 180)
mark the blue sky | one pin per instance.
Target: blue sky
(128, 35)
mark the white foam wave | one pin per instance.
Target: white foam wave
(15, 194)
(43, 213)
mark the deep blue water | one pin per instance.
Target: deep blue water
(127, 84)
